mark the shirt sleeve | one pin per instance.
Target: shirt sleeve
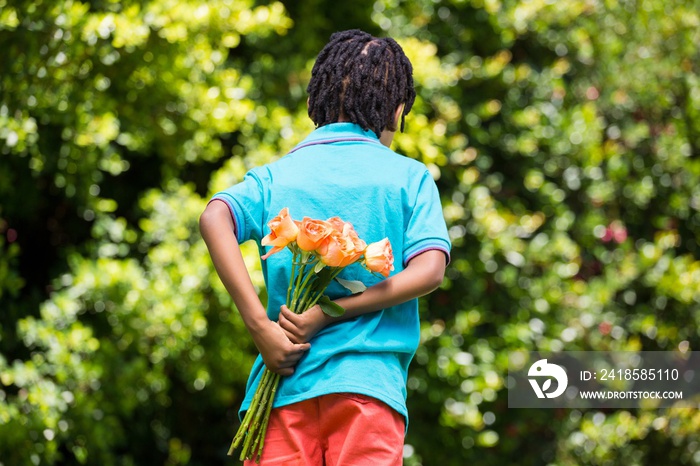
(426, 229)
(246, 201)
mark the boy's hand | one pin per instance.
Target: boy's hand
(278, 352)
(300, 328)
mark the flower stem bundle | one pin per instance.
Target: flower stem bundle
(321, 249)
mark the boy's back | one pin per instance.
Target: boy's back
(341, 170)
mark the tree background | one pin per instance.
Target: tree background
(565, 140)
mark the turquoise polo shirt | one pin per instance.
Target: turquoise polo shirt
(341, 170)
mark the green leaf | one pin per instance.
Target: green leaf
(355, 286)
(319, 266)
(330, 308)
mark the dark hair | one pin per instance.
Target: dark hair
(362, 78)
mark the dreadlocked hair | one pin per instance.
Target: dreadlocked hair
(362, 79)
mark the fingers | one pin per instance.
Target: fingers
(285, 365)
(288, 314)
(302, 348)
(293, 353)
(288, 321)
(288, 328)
(279, 352)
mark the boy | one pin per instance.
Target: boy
(342, 400)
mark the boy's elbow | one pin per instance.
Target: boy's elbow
(431, 265)
(206, 219)
(436, 276)
(214, 213)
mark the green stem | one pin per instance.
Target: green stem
(251, 453)
(263, 388)
(315, 299)
(305, 289)
(266, 419)
(265, 401)
(300, 274)
(295, 258)
(309, 300)
(243, 430)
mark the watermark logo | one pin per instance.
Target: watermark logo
(603, 379)
(542, 368)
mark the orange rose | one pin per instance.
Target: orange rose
(339, 250)
(346, 229)
(336, 251)
(283, 231)
(379, 257)
(338, 224)
(358, 244)
(312, 233)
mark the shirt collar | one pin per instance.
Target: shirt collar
(337, 132)
(340, 130)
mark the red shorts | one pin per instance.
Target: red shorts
(341, 429)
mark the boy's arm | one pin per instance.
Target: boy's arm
(423, 274)
(217, 228)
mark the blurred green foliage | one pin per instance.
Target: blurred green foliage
(565, 139)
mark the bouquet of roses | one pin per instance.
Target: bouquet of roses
(320, 250)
